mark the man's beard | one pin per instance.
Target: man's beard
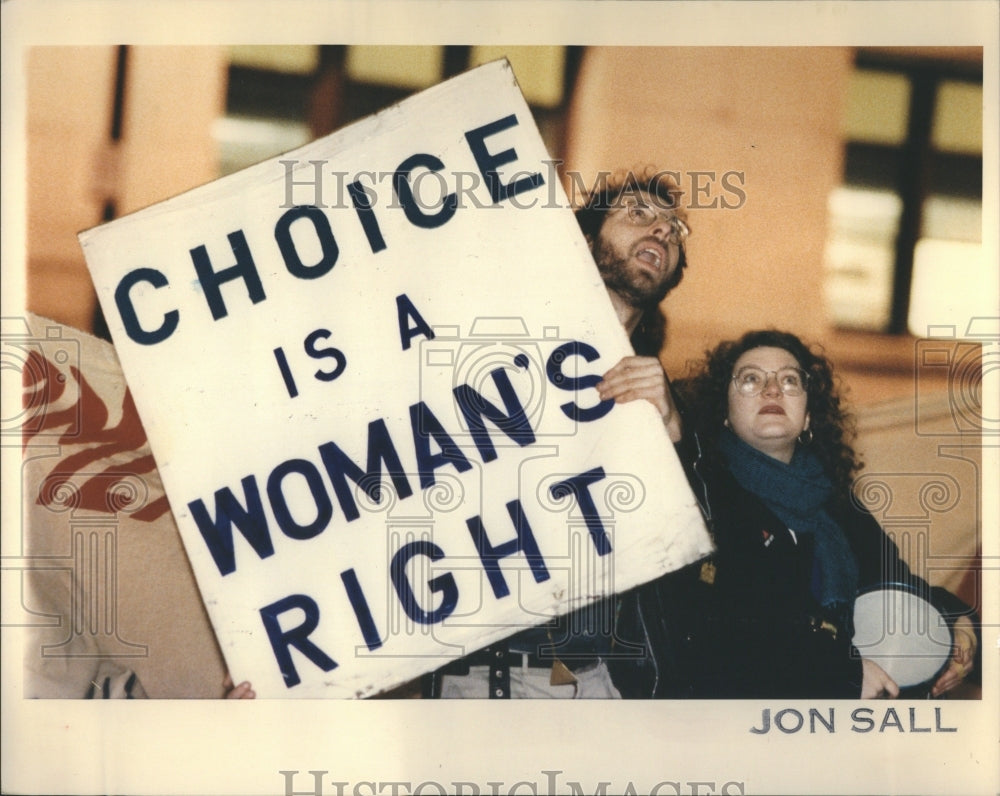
(637, 287)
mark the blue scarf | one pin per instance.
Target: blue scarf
(797, 494)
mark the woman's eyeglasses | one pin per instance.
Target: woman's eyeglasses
(751, 380)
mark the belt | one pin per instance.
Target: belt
(499, 655)
(499, 659)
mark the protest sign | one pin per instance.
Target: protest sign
(382, 447)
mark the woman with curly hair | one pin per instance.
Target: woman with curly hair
(828, 427)
(770, 613)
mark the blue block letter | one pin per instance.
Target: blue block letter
(218, 533)
(297, 637)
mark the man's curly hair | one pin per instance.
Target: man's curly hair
(664, 191)
(705, 394)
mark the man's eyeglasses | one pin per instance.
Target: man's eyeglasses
(752, 381)
(642, 215)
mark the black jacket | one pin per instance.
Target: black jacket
(743, 623)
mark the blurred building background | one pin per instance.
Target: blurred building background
(834, 192)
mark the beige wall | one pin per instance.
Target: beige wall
(172, 95)
(921, 480)
(70, 92)
(770, 114)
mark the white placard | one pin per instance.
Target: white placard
(381, 445)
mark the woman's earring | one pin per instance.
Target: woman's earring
(726, 422)
(806, 437)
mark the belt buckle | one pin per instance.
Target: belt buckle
(561, 674)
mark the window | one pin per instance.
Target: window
(279, 98)
(904, 249)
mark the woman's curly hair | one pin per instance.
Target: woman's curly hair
(705, 395)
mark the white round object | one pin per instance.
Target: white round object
(903, 633)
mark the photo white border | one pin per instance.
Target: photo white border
(217, 747)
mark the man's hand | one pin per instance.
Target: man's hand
(635, 378)
(875, 682)
(242, 691)
(963, 653)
